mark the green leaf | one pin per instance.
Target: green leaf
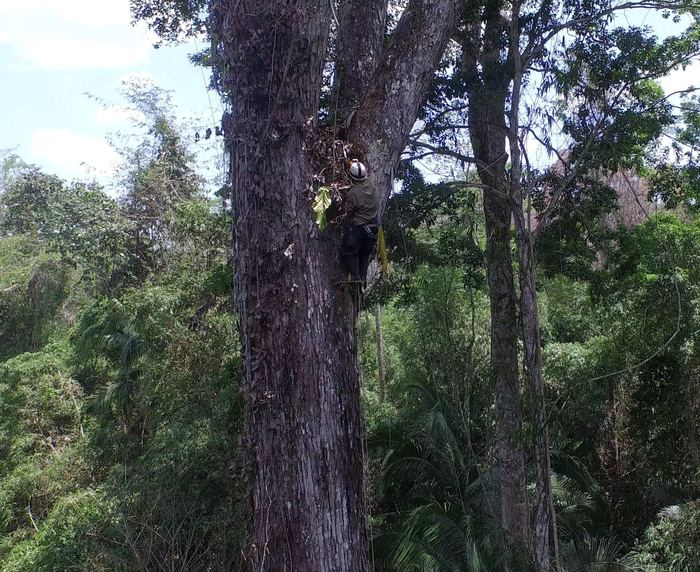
(320, 205)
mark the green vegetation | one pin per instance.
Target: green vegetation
(120, 413)
(121, 361)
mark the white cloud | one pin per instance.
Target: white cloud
(74, 155)
(117, 115)
(56, 52)
(73, 34)
(83, 12)
(680, 79)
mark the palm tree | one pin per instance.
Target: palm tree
(106, 332)
(444, 510)
(586, 553)
(440, 511)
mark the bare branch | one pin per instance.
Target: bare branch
(448, 153)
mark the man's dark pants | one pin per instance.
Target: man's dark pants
(356, 249)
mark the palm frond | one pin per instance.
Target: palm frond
(445, 515)
(588, 553)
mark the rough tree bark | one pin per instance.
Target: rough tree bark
(303, 426)
(359, 43)
(303, 429)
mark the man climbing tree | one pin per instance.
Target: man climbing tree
(361, 214)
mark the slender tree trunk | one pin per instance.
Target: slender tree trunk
(693, 400)
(544, 517)
(487, 96)
(381, 372)
(303, 426)
(504, 367)
(504, 346)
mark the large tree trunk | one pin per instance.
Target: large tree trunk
(303, 427)
(303, 430)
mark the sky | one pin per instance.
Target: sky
(52, 53)
(678, 80)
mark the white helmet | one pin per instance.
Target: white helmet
(357, 170)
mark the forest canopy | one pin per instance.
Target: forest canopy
(181, 375)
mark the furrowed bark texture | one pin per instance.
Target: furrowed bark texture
(487, 91)
(360, 40)
(303, 427)
(389, 108)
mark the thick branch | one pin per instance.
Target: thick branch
(389, 109)
(361, 27)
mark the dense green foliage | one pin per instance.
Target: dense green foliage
(119, 410)
(621, 367)
(120, 356)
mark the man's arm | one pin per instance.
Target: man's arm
(350, 205)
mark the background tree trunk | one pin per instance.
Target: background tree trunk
(381, 372)
(544, 505)
(545, 519)
(303, 427)
(693, 400)
(504, 367)
(488, 90)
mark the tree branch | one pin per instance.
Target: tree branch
(534, 48)
(389, 107)
(447, 153)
